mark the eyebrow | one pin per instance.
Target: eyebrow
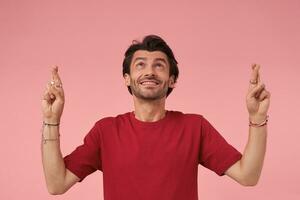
(156, 59)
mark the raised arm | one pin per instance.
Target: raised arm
(58, 178)
(247, 171)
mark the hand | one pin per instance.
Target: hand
(258, 98)
(53, 99)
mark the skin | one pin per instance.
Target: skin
(247, 170)
(149, 106)
(58, 178)
(149, 100)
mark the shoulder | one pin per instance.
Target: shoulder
(194, 120)
(187, 116)
(109, 121)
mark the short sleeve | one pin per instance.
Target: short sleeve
(216, 153)
(86, 158)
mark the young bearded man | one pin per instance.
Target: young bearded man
(152, 153)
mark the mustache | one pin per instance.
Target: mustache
(150, 79)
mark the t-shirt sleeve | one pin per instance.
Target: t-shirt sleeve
(216, 153)
(86, 158)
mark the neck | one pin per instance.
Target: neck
(149, 110)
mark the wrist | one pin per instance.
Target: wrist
(50, 124)
(51, 120)
(257, 119)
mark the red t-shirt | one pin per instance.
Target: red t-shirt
(151, 160)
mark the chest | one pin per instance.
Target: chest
(150, 150)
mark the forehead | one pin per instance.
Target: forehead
(149, 55)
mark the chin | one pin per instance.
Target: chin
(151, 96)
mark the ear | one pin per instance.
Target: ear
(127, 79)
(172, 82)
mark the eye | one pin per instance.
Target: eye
(140, 64)
(159, 65)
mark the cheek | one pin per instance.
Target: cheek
(133, 79)
(166, 78)
(136, 76)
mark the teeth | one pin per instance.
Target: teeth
(149, 83)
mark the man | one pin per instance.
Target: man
(152, 153)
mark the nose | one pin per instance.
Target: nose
(149, 71)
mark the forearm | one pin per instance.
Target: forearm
(254, 153)
(53, 163)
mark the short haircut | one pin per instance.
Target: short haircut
(151, 43)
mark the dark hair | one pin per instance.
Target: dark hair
(151, 43)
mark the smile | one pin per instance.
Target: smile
(149, 83)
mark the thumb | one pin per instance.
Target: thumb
(56, 92)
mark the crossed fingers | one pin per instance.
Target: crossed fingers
(56, 81)
(255, 77)
(257, 89)
(54, 87)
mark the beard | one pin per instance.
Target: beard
(149, 93)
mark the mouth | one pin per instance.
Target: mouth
(149, 83)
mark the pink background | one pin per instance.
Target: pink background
(215, 43)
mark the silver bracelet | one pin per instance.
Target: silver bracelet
(49, 139)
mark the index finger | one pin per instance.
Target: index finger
(255, 73)
(258, 74)
(55, 76)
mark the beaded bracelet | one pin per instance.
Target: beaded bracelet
(261, 124)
